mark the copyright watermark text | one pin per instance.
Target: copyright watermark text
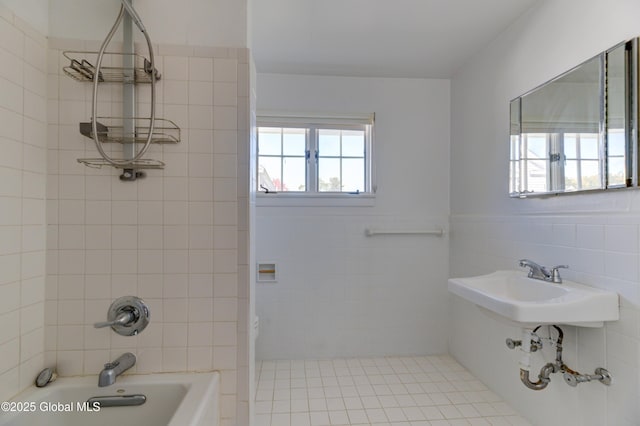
(48, 407)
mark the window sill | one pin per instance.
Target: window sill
(302, 199)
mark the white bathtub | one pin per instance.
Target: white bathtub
(190, 399)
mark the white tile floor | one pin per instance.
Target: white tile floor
(402, 391)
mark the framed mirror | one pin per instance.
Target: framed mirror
(574, 133)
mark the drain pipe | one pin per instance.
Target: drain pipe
(529, 336)
(531, 342)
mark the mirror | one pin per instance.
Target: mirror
(619, 149)
(573, 133)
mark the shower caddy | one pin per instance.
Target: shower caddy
(128, 130)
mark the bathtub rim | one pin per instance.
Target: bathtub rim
(203, 389)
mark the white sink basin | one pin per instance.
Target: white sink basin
(528, 302)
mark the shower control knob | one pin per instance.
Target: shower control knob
(127, 316)
(512, 344)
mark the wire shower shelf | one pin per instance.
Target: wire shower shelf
(82, 69)
(111, 130)
(140, 164)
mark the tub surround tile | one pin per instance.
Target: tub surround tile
(23, 112)
(170, 238)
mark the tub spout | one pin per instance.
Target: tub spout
(113, 369)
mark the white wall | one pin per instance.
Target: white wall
(34, 12)
(23, 139)
(596, 234)
(191, 22)
(340, 293)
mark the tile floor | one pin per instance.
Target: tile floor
(402, 391)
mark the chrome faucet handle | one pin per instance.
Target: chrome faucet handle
(123, 319)
(555, 273)
(127, 316)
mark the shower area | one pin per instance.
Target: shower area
(126, 173)
(161, 213)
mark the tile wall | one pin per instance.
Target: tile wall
(601, 251)
(246, 246)
(595, 233)
(23, 135)
(177, 238)
(340, 293)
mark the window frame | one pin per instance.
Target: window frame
(312, 123)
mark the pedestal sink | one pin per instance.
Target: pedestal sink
(527, 302)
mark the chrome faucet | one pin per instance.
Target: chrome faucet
(113, 369)
(539, 272)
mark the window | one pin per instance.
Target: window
(314, 155)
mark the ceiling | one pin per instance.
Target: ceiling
(375, 38)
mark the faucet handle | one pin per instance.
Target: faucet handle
(123, 318)
(555, 273)
(127, 316)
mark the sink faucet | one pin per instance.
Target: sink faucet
(114, 369)
(539, 272)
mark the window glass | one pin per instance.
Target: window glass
(329, 143)
(293, 142)
(269, 141)
(329, 174)
(353, 143)
(293, 174)
(353, 174)
(270, 173)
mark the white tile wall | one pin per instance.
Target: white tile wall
(340, 293)
(23, 165)
(482, 244)
(171, 238)
(596, 234)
